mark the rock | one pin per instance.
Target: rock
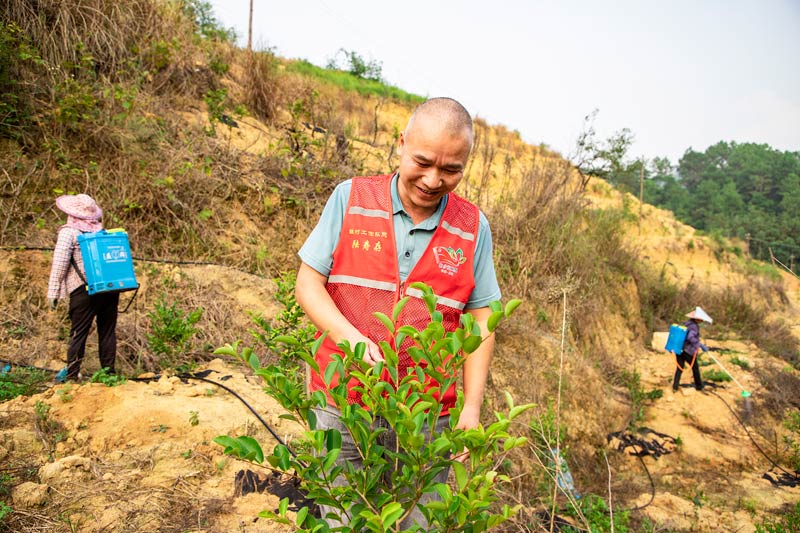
(164, 386)
(55, 471)
(3, 453)
(193, 392)
(29, 494)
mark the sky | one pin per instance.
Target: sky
(679, 74)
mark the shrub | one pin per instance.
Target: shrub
(595, 511)
(638, 396)
(5, 510)
(405, 405)
(21, 381)
(171, 331)
(289, 324)
(791, 439)
(104, 377)
(357, 65)
(788, 523)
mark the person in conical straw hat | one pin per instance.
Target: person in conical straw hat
(700, 315)
(691, 347)
(68, 277)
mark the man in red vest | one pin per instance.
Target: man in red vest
(377, 235)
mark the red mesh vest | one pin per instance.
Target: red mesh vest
(365, 275)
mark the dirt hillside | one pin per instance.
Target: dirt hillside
(140, 456)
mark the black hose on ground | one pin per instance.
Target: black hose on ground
(200, 376)
(786, 479)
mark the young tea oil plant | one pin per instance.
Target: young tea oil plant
(289, 323)
(171, 331)
(107, 378)
(381, 494)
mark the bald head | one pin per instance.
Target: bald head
(450, 116)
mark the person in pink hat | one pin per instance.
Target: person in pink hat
(68, 277)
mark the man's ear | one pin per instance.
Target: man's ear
(401, 141)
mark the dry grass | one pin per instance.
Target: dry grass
(261, 85)
(106, 30)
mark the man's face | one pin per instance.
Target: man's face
(432, 163)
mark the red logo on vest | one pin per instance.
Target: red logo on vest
(449, 259)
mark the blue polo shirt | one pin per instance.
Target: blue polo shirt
(412, 241)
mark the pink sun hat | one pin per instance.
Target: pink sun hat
(81, 206)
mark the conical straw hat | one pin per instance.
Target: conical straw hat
(699, 314)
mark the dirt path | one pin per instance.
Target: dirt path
(713, 477)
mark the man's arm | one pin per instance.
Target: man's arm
(323, 313)
(476, 370)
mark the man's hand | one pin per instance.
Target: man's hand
(372, 354)
(470, 418)
(53, 303)
(313, 298)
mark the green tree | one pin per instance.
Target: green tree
(352, 62)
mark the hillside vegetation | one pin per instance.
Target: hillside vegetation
(218, 161)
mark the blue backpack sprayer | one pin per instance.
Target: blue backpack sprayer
(108, 263)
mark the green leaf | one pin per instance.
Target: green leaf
(461, 475)
(390, 514)
(471, 343)
(398, 308)
(333, 439)
(512, 305)
(318, 343)
(283, 506)
(330, 370)
(387, 322)
(495, 306)
(494, 319)
(251, 448)
(254, 363)
(286, 339)
(301, 515)
(518, 410)
(227, 442)
(228, 350)
(282, 454)
(309, 360)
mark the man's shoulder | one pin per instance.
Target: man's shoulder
(376, 179)
(462, 203)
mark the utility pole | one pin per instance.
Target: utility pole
(250, 29)
(641, 195)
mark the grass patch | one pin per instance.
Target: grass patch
(783, 524)
(741, 363)
(716, 375)
(352, 83)
(22, 382)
